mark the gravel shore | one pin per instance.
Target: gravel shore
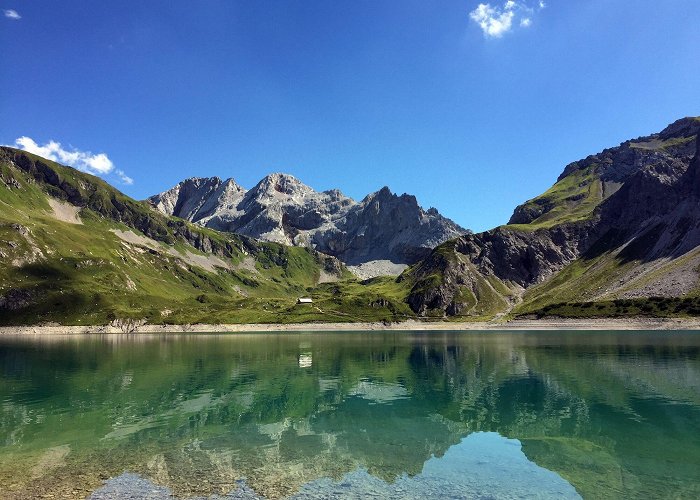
(412, 325)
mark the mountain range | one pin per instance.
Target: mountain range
(618, 234)
(281, 209)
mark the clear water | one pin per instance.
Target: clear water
(351, 415)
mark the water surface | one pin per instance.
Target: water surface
(352, 415)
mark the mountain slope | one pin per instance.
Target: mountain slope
(282, 209)
(619, 225)
(586, 183)
(74, 250)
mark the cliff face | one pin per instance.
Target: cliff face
(623, 216)
(280, 208)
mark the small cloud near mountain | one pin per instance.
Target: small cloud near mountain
(495, 21)
(96, 164)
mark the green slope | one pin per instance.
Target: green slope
(571, 199)
(125, 261)
(587, 288)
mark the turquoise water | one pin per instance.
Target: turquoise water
(351, 415)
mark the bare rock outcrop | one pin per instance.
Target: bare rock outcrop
(280, 208)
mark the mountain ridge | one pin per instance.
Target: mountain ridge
(651, 214)
(281, 208)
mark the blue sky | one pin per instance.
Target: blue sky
(472, 109)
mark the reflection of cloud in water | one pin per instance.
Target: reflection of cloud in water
(483, 465)
(378, 392)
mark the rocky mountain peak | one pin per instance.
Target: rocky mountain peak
(335, 194)
(284, 184)
(617, 164)
(230, 183)
(281, 208)
(386, 195)
(385, 191)
(200, 181)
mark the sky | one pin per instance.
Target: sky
(473, 107)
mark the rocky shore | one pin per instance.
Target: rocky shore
(413, 325)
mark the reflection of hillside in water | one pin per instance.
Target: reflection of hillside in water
(613, 414)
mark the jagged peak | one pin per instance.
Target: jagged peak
(186, 184)
(212, 182)
(199, 181)
(281, 183)
(231, 183)
(334, 193)
(281, 176)
(409, 201)
(383, 194)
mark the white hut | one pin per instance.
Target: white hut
(304, 300)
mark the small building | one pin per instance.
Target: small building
(304, 300)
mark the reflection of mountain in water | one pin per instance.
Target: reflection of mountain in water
(612, 414)
(483, 465)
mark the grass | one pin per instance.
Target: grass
(571, 199)
(663, 145)
(656, 307)
(85, 274)
(583, 288)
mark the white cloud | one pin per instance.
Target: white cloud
(123, 177)
(12, 14)
(495, 21)
(97, 164)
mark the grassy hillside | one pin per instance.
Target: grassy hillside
(612, 285)
(571, 199)
(74, 250)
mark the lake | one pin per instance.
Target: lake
(351, 415)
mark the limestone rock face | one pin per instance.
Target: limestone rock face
(280, 208)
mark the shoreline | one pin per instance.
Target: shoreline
(411, 325)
